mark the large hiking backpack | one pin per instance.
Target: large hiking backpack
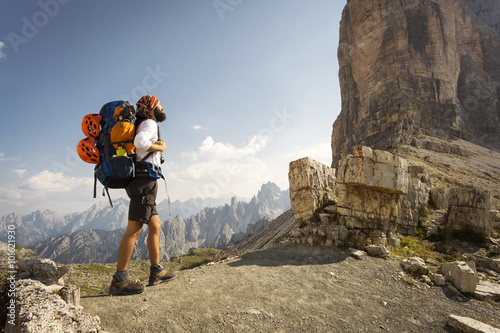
(117, 131)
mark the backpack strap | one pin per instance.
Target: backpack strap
(107, 192)
(146, 157)
(168, 197)
(95, 186)
(164, 180)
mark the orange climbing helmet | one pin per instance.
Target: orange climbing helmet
(90, 125)
(87, 150)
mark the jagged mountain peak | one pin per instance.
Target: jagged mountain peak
(212, 226)
(269, 192)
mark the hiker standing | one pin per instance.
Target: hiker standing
(142, 191)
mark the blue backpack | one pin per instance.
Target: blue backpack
(115, 170)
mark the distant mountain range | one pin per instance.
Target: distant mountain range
(94, 235)
(41, 225)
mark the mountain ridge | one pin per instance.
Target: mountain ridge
(41, 224)
(211, 227)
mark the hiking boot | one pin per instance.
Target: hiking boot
(162, 276)
(126, 287)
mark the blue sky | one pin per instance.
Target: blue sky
(247, 85)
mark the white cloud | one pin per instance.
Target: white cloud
(321, 152)
(217, 168)
(47, 181)
(46, 190)
(211, 150)
(197, 128)
(2, 54)
(3, 158)
(19, 172)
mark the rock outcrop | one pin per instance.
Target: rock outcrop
(374, 197)
(370, 184)
(38, 309)
(43, 270)
(312, 185)
(413, 67)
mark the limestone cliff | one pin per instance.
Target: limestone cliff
(413, 68)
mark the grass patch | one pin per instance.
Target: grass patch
(92, 279)
(411, 246)
(195, 258)
(409, 280)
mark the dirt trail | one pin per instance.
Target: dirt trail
(288, 289)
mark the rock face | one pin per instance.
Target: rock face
(311, 186)
(375, 196)
(370, 184)
(416, 67)
(470, 210)
(363, 205)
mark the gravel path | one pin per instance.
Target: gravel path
(288, 289)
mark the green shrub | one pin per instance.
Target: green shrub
(414, 246)
(422, 228)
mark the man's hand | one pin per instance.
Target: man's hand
(158, 146)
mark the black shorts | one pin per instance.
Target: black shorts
(142, 193)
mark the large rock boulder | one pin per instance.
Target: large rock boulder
(415, 266)
(469, 210)
(38, 309)
(370, 184)
(463, 277)
(43, 270)
(376, 169)
(312, 185)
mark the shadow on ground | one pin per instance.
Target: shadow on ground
(282, 256)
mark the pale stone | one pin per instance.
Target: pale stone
(462, 275)
(325, 218)
(312, 185)
(465, 324)
(486, 262)
(438, 279)
(468, 218)
(378, 251)
(70, 294)
(375, 169)
(469, 197)
(38, 310)
(425, 279)
(415, 266)
(358, 254)
(488, 290)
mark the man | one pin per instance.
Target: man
(142, 191)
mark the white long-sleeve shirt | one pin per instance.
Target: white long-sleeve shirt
(146, 134)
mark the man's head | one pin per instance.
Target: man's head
(148, 107)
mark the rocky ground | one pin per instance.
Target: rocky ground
(290, 289)
(456, 163)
